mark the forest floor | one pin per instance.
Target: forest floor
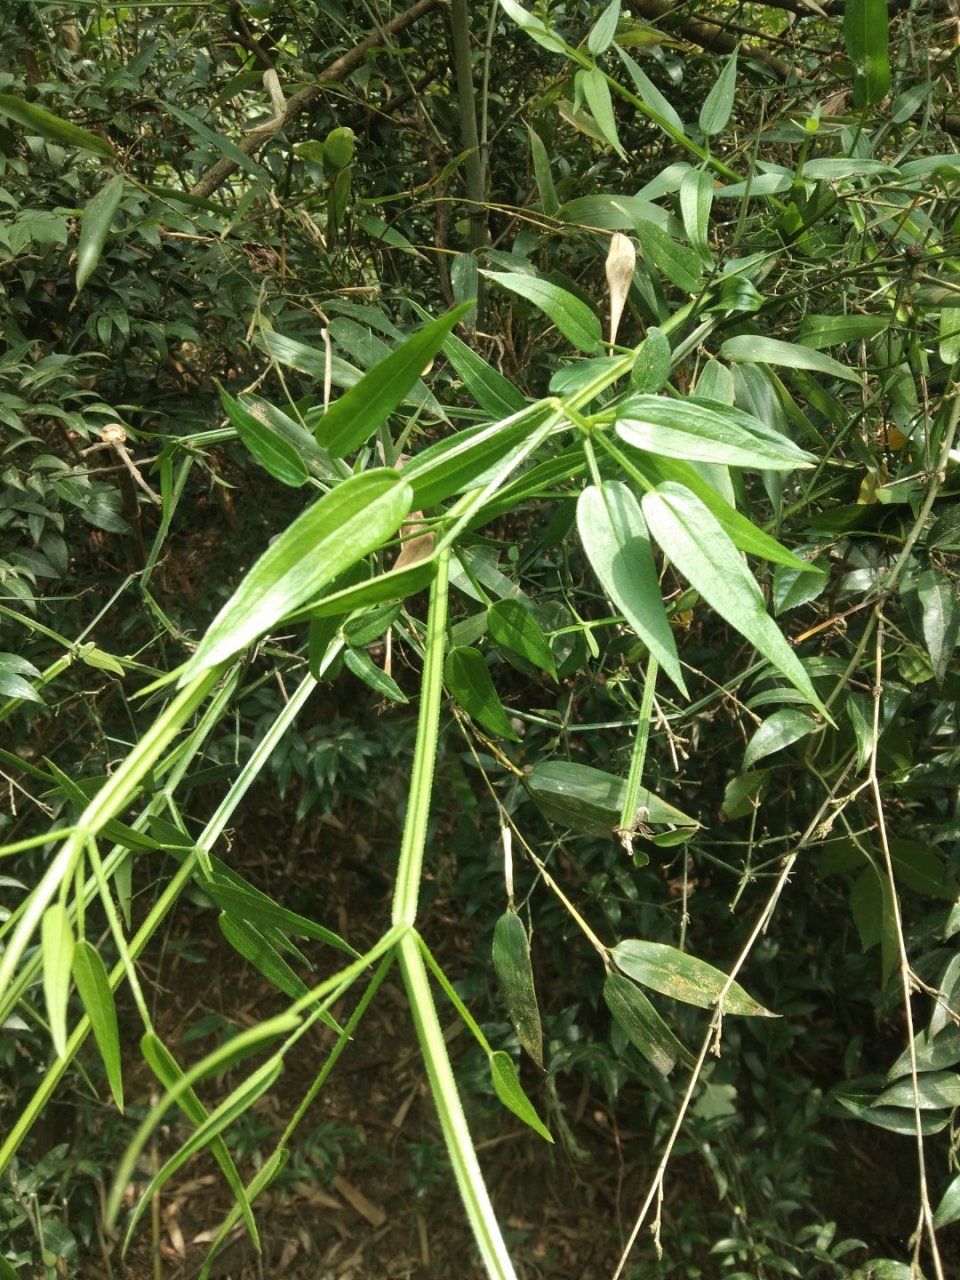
(368, 1192)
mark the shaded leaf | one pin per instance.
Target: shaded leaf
(364, 668)
(47, 125)
(651, 371)
(718, 104)
(753, 348)
(95, 223)
(935, 1089)
(776, 732)
(641, 1024)
(512, 626)
(941, 618)
(514, 970)
(467, 676)
(274, 452)
(507, 1086)
(865, 37)
(589, 801)
(682, 266)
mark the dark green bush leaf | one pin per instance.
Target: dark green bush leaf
(508, 1090)
(467, 676)
(511, 962)
(683, 977)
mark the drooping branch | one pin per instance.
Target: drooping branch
(300, 101)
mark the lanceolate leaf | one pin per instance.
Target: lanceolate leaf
(597, 93)
(614, 536)
(93, 986)
(95, 223)
(467, 676)
(941, 618)
(660, 109)
(511, 962)
(364, 668)
(358, 412)
(56, 938)
(778, 731)
(718, 104)
(345, 525)
(641, 1023)
(865, 35)
(752, 348)
(705, 431)
(275, 453)
(491, 390)
(541, 169)
(512, 626)
(697, 544)
(651, 372)
(680, 265)
(587, 800)
(510, 1093)
(37, 120)
(573, 318)
(675, 973)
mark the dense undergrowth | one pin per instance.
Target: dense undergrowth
(531, 433)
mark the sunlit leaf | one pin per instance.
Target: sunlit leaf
(93, 987)
(682, 976)
(56, 942)
(573, 318)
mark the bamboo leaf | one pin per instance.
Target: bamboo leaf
(677, 974)
(491, 390)
(615, 538)
(682, 266)
(573, 318)
(467, 676)
(512, 626)
(941, 618)
(47, 125)
(345, 525)
(696, 201)
(778, 731)
(865, 34)
(587, 800)
(641, 1024)
(364, 668)
(93, 986)
(698, 430)
(651, 97)
(95, 223)
(508, 1090)
(541, 169)
(56, 945)
(699, 547)
(718, 104)
(604, 29)
(227, 149)
(596, 91)
(651, 370)
(358, 412)
(275, 454)
(752, 348)
(514, 970)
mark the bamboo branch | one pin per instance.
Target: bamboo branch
(298, 103)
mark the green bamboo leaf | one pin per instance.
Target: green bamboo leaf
(257, 947)
(7, 1272)
(752, 348)
(698, 430)
(641, 1024)
(512, 626)
(660, 109)
(56, 946)
(696, 201)
(865, 34)
(514, 970)
(358, 412)
(453, 464)
(364, 668)
(274, 452)
(651, 370)
(589, 801)
(935, 1089)
(229, 150)
(702, 551)
(507, 1085)
(778, 731)
(245, 903)
(675, 973)
(604, 29)
(93, 986)
(718, 104)
(941, 618)
(573, 318)
(467, 676)
(818, 332)
(396, 584)
(593, 84)
(47, 125)
(309, 360)
(541, 169)
(491, 390)
(744, 535)
(535, 28)
(345, 525)
(948, 1210)
(614, 536)
(95, 223)
(682, 266)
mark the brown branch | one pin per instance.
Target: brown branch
(708, 35)
(298, 103)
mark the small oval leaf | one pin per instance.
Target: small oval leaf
(512, 626)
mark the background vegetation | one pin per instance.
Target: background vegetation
(478, 500)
